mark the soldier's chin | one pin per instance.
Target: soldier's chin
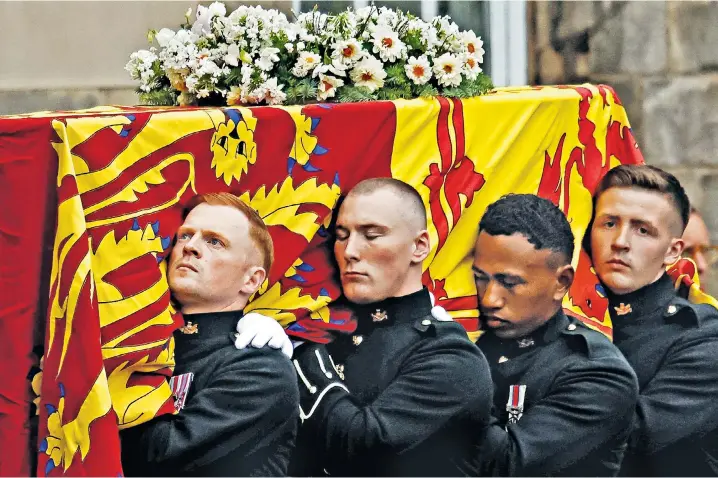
(618, 283)
(360, 294)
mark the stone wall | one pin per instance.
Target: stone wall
(661, 58)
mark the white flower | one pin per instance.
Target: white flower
(347, 52)
(191, 82)
(306, 62)
(300, 46)
(328, 86)
(203, 93)
(447, 69)
(471, 67)
(232, 56)
(369, 73)
(388, 45)
(267, 58)
(334, 68)
(217, 9)
(270, 92)
(289, 47)
(418, 69)
(473, 45)
(164, 37)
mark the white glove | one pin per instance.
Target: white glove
(441, 314)
(260, 331)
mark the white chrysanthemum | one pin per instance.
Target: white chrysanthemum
(328, 86)
(447, 69)
(306, 62)
(471, 67)
(347, 52)
(474, 45)
(388, 45)
(369, 73)
(418, 69)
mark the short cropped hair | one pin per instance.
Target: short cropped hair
(410, 196)
(535, 218)
(258, 232)
(649, 178)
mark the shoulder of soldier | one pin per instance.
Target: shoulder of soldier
(589, 342)
(692, 315)
(440, 326)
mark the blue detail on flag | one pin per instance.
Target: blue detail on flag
(323, 292)
(130, 117)
(50, 409)
(135, 225)
(43, 446)
(290, 165)
(304, 267)
(319, 150)
(325, 106)
(234, 115)
(322, 231)
(336, 178)
(62, 390)
(160, 258)
(601, 291)
(296, 327)
(336, 321)
(298, 278)
(156, 227)
(309, 167)
(166, 241)
(49, 466)
(315, 122)
(124, 133)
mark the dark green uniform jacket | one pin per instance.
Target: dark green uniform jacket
(240, 417)
(673, 347)
(405, 395)
(578, 402)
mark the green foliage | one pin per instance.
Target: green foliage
(302, 92)
(353, 94)
(163, 97)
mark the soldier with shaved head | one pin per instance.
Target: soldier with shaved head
(407, 394)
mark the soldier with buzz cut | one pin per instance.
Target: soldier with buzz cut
(640, 213)
(407, 394)
(564, 396)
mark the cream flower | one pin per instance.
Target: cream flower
(347, 52)
(447, 69)
(306, 62)
(388, 45)
(471, 67)
(473, 44)
(369, 73)
(234, 97)
(418, 69)
(328, 86)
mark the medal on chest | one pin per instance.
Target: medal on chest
(515, 403)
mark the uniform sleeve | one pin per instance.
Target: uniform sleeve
(254, 394)
(442, 379)
(589, 405)
(680, 399)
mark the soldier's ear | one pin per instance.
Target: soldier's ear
(253, 280)
(674, 251)
(564, 279)
(422, 247)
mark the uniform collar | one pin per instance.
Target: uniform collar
(545, 334)
(643, 301)
(208, 325)
(394, 310)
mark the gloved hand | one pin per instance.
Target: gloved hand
(320, 382)
(260, 331)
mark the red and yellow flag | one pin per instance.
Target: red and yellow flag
(124, 175)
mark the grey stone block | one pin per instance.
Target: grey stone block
(632, 39)
(693, 36)
(680, 121)
(18, 102)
